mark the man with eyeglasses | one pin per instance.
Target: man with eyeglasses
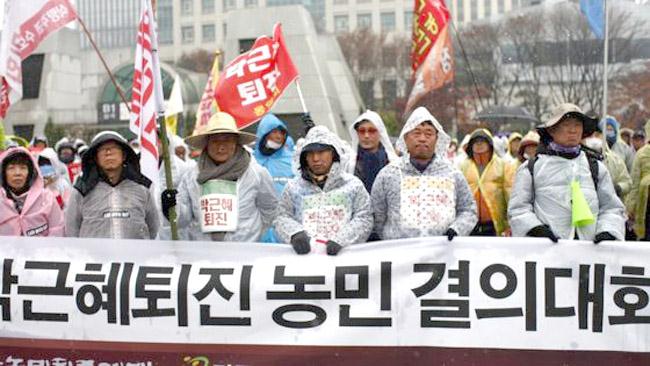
(422, 194)
(371, 148)
(112, 199)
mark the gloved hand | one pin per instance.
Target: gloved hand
(309, 123)
(168, 200)
(603, 236)
(542, 231)
(300, 242)
(451, 233)
(333, 248)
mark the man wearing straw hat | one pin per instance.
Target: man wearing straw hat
(228, 197)
(564, 193)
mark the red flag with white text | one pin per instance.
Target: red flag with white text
(251, 84)
(432, 53)
(26, 25)
(143, 103)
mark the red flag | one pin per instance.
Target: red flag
(253, 82)
(432, 54)
(144, 102)
(208, 105)
(26, 25)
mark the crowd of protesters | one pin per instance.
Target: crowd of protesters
(573, 177)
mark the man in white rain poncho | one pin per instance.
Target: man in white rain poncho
(323, 202)
(422, 194)
(564, 193)
(371, 148)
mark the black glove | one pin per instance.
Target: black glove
(308, 122)
(603, 236)
(168, 200)
(542, 231)
(333, 248)
(450, 233)
(300, 242)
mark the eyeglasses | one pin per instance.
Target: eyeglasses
(369, 131)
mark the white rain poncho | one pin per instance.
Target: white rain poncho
(418, 116)
(409, 203)
(375, 119)
(340, 211)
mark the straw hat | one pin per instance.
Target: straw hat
(219, 123)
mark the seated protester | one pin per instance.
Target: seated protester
(111, 199)
(563, 180)
(615, 165)
(229, 196)
(27, 208)
(54, 176)
(486, 174)
(371, 148)
(422, 194)
(274, 151)
(324, 203)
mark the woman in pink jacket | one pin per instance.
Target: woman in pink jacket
(26, 207)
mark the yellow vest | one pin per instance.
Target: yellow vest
(493, 186)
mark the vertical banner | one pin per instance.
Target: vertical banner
(143, 104)
(431, 55)
(252, 83)
(208, 105)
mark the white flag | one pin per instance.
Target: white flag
(146, 103)
(26, 25)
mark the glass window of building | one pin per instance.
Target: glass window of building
(408, 20)
(187, 7)
(460, 11)
(340, 2)
(364, 20)
(187, 34)
(208, 33)
(488, 8)
(473, 10)
(250, 3)
(387, 21)
(500, 6)
(229, 4)
(341, 24)
(207, 6)
(165, 22)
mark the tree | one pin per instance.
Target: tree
(53, 132)
(630, 97)
(198, 60)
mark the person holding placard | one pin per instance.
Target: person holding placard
(229, 196)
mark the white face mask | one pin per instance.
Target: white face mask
(594, 143)
(273, 145)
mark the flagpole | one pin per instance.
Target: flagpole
(160, 104)
(605, 58)
(101, 58)
(302, 99)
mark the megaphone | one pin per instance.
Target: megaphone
(581, 214)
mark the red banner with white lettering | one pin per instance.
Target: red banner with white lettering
(432, 53)
(26, 25)
(251, 84)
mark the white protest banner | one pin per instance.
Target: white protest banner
(474, 301)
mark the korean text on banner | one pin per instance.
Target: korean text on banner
(567, 297)
(208, 105)
(251, 84)
(26, 25)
